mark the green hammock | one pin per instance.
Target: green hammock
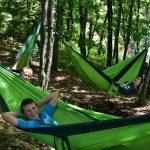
(127, 70)
(25, 53)
(79, 129)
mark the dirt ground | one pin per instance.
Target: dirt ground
(74, 91)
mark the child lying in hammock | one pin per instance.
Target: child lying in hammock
(30, 110)
(130, 88)
(26, 73)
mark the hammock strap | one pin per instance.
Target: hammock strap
(80, 128)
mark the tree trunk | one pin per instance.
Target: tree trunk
(43, 41)
(92, 29)
(117, 31)
(109, 28)
(123, 27)
(69, 20)
(147, 93)
(57, 38)
(90, 37)
(147, 19)
(102, 36)
(49, 44)
(128, 29)
(137, 25)
(144, 93)
(83, 20)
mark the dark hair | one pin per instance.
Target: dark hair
(26, 102)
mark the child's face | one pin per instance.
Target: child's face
(31, 111)
(26, 74)
(137, 81)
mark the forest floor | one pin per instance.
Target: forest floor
(74, 91)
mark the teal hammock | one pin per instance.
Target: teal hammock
(24, 55)
(79, 129)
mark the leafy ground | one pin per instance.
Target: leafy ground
(71, 90)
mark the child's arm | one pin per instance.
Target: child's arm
(52, 98)
(11, 117)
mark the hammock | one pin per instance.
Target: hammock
(127, 70)
(79, 129)
(24, 55)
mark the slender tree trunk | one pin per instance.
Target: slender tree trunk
(147, 93)
(109, 43)
(70, 3)
(128, 29)
(117, 31)
(102, 36)
(92, 30)
(123, 27)
(148, 23)
(148, 87)
(137, 25)
(43, 41)
(90, 37)
(83, 20)
(144, 93)
(70, 20)
(57, 38)
(49, 44)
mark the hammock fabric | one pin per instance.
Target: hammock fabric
(24, 54)
(127, 70)
(79, 129)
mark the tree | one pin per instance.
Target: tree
(43, 42)
(47, 46)
(102, 36)
(127, 40)
(69, 20)
(109, 29)
(57, 38)
(92, 23)
(144, 93)
(83, 20)
(118, 21)
(137, 25)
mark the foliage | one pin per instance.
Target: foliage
(5, 19)
(19, 17)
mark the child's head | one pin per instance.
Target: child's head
(137, 82)
(26, 73)
(29, 109)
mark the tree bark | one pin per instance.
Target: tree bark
(137, 25)
(92, 27)
(70, 20)
(128, 29)
(109, 29)
(43, 41)
(115, 55)
(144, 93)
(102, 36)
(57, 38)
(147, 93)
(49, 44)
(83, 20)
(91, 32)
